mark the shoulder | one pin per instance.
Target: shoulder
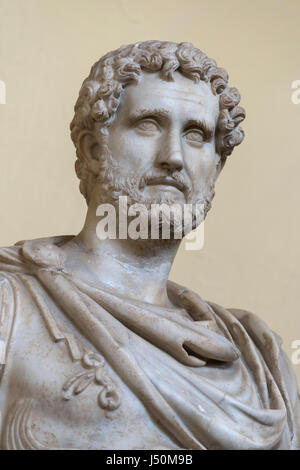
(7, 315)
(269, 344)
(12, 265)
(261, 334)
(267, 340)
(18, 263)
(11, 259)
(252, 330)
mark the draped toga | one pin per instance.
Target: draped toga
(129, 354)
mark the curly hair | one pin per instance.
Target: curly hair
(101, 93)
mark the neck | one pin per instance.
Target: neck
(138, 269)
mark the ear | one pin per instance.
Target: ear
(89, 151)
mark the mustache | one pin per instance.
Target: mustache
(175, 177)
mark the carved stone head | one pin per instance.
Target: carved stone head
(155, 110)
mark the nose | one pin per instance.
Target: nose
(170, 153)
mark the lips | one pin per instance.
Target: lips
(166, 181)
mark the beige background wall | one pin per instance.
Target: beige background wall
(252, 252)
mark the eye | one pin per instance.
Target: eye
(194, 136)
(147, 126)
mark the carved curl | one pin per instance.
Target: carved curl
(101, 92)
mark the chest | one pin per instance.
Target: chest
(51, 401)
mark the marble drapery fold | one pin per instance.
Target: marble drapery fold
(214, 379)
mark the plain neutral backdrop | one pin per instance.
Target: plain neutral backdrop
(251, 253)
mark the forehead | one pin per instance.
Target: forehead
(182, 96)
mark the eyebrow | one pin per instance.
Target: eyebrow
(162, 113)
(143, 113)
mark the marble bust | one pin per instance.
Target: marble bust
(98, 349)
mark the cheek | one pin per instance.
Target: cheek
(131, 151)
(203, 170)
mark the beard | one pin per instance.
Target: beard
(112, 184)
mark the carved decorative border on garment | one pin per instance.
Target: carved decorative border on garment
(109, 396)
